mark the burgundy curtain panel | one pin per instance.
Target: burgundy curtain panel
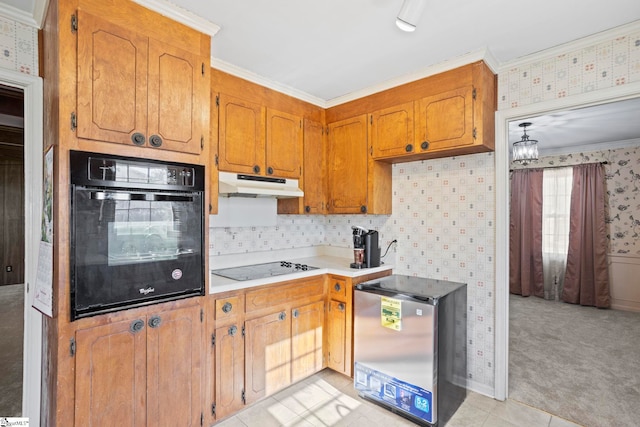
(525, 233)
(586, 280)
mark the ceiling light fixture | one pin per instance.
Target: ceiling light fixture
(525, 150)
(409, 14)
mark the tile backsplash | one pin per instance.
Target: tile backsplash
(443, 219)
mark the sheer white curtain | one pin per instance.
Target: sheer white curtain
(556, 196)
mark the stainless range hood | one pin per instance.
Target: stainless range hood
(242, 185)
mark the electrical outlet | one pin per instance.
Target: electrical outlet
(9, 268)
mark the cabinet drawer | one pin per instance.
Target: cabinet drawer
(228, 308)
(273, 296)
(337, 288)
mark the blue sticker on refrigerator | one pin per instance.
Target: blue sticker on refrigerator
(392, 391)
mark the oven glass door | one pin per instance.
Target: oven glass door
(133, 247)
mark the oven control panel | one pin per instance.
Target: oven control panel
(112, 170)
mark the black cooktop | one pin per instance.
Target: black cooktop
(261, 271)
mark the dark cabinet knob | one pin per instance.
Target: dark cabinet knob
(282, 316)
(138, 138)
(256, 169)
(408, 148)
(424, 145)
(270, 170)
(307, 209)
(136, 326)
(363, 209)
(155, 321)
(337, 287)
(155, 141)
(295, 313)
(233, 330)
(226, 307)
(341, 306)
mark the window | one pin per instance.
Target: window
(556, 203)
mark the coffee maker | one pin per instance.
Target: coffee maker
(366, 252)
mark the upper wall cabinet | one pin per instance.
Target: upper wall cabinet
(347, 163)
(133, 89)
(257, 140)
(444, 115)
(392, 131)
(241, 136)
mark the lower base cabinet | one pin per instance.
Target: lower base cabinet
(268, 355)
(140, 372)
(229, 370)
(337, 336)
(306, 340)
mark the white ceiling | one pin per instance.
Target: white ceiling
(331, 50)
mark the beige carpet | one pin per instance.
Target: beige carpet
(11, 337)
(581, 363)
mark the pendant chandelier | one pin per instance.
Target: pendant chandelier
(525, 150)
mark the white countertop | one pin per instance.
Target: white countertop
(325, 259)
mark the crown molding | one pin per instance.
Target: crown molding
(40, 11)
(590, 148)
(263, 81)
(18, 15)
(479, 55)
(181, 15)
(468, 58)
(577, 44)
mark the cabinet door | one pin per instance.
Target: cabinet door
(445, 120)
(392, 131)
(174, 346)
(178, 94)
(112, 81)
(306, 340)
(314, 166)
(267, 355)
(283, 144)
(347, 166)
(229, 371)
(337, 336)
(241, 136)
(111, 379)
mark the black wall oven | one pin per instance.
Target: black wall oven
(136, 232)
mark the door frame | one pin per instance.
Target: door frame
(32, 87)
(503, 117)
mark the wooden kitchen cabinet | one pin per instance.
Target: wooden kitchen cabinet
(225, 359)
(135, 90)
(445, 120)
(267, 355)
(257, 140)
(306, 340)
(241, 136)
(337, 337)
(143, 371)
(313, 181)
(229, 370)
(338, 324)
(284, 144)
(391, 131)
(347, 166)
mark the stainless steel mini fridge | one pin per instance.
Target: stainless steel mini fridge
(410, 338)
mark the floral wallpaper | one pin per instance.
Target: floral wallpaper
(610, 63)
(18, 46)
(622, 205)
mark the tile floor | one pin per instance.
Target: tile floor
(328, 399)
